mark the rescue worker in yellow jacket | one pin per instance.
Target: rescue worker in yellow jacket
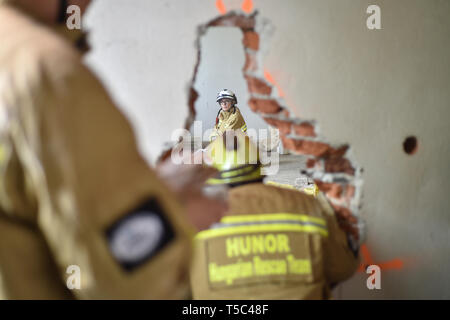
(273, 243)
(81, 213)
(229, 116)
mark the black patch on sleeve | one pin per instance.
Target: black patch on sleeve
(139, 235)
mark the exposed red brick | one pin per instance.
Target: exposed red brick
(264, 106)
(283, 126)
(337, 153)
(256, 85)
(251, 40)
(349, 194)
(332, 190)
(310, 163)
(343, 213)
(346, 220)
(305, 147)
(350, 191)
(250, 62)
(304, 129)
(286, 113)
(233, 20)
(339, 165)
(314, 163)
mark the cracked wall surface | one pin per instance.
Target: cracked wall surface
(369, 89)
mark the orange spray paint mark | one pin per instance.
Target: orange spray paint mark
(392, 264)
(269, 77)
(247, 6)
(395, 264)
(366, 258)
(272, 81)
(221, 7)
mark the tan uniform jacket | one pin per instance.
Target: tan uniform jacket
(79, 207)
(274, 243)
(229, 120)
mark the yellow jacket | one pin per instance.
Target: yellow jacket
(274, 243)
(74, 189)
(229, 120)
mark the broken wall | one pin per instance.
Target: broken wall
(222, 60)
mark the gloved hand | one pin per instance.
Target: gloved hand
(187, 181)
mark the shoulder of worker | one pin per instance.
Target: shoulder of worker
(31, 51)
(234, 115)
(238, 115)
(262, 198)
(223, 114)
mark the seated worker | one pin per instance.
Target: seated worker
(229, 117)
(272, 243)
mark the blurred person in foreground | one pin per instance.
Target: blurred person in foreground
(82, 215)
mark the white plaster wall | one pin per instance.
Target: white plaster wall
(221, 63)
(368, 88)
(145, 53)
(372, 89)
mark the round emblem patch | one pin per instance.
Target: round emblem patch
(137, 237)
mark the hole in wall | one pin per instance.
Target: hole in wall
(222, 60)
(410, 145)
(332, 167)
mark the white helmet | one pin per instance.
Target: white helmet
(226, 94)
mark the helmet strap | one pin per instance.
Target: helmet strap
(217, 117)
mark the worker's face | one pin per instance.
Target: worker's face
(225, 104)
